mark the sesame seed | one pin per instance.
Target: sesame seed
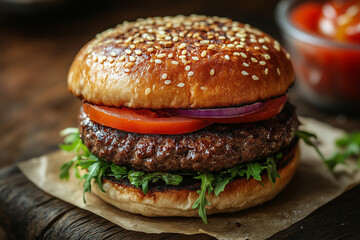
(138, 52)
(128, 51)
(253, 40)
(262, 62)
(245, 73)
(181, 85)
(239, 46)
(126, 70)
(232, 39)
(129, 64)
(132, 59)
(266, 56)
(243, 55)
(128, 40)
(231, 45)
(245, 64)
(211, 46)
(187, 68)
(254, 77)
(203, 54)
(170, 55)
(147, 91)
(227, 57)
(184, 61)
(95, 58)
(122, 58)
(167, 82)
(183, 52)
(265, 47)
(158, 61)
(266, 71)
(182, 45)
(113, 54)
(150, 49)
(256, 48)
(197, 44)
(222, 37)
(191, 73)
(277, 46)
(212, 72)
(254, 60)
(261, 40)
(161, 55)
(236, 54)
(110, 59)
(164, 76)
(175, 39)
(102, 59)
(278, 71)
(288, 55)
(175, 62)
(203, 88)
(195, 58)
(132, 46)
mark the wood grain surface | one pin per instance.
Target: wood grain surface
(37, 46)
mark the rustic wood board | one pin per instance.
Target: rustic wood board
(42, 216)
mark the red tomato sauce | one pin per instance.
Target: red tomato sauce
(331, 70)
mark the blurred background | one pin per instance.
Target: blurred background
(40, 38)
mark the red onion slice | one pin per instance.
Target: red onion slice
(220, 112)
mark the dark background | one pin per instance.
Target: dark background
(39, 42)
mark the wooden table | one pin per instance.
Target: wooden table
(36, 50)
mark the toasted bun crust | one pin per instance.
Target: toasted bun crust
(238, 195)
(180, 62)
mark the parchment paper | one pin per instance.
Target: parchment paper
(312, 186)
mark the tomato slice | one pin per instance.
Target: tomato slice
(142, 121)
(272, 108)
(161, 122)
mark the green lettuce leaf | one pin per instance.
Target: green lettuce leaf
(206, 186)
(348, 146)
(98, 168)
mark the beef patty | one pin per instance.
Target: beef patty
(214, 148)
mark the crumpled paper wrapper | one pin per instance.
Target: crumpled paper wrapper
(312, 186)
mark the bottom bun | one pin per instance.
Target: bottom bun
(238, 195)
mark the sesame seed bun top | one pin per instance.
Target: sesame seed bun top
(180, 62)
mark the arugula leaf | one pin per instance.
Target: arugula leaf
(220, 185)
(98, 168)
(349, 145)
(65, 168)
(93, 173)
(201, 202)
(307, 137)
(254, 170)
(270, 166)
(170, 179)
(118, 172)
(138, 178)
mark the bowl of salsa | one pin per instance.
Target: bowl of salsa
(323, 38)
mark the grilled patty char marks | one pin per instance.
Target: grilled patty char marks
(214, 148)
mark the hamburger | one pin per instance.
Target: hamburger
(183, 116)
